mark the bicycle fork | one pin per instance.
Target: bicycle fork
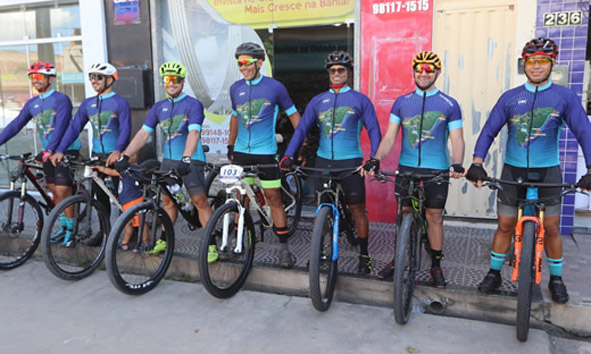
(335, 230)
(539, 245)
(228, 218)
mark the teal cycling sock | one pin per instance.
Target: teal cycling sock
(497, 260)
(555, 266)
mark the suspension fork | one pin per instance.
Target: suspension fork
(539, 244)
(335, 230)
(239, 232)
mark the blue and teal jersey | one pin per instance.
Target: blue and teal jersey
(340, 118)
(256, 103)
(176, 119)
(552, 106)
(440, 115)
(110, 117)
(52, 112)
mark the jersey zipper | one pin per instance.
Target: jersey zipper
(169, 126)
(531, 123)
(100, 128)
(421, 126)
(332, 132)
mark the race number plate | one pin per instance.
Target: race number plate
(230, 174)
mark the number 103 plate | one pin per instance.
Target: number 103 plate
(230, 174)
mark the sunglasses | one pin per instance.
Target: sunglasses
(339, 71)
(36, 76)
(246, 62)
(96, 77)
(541, 61)
(429, 68)
(170, 79)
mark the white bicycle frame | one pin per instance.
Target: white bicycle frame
(92, 174)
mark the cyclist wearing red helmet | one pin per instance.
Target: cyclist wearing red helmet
(534, 114)
(52, 112)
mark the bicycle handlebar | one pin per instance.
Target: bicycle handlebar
(24, 156)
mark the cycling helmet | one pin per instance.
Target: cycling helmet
(41, 67)
(104, 68)
(338, 58)
(173, 68)
(250, 48)
(427, 57)
(540, 46)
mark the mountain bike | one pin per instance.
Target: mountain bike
(411, 236)
(231, 227)
(528, 245)
(73, 253)
(21, 215)
(332, 217)
(140, 268)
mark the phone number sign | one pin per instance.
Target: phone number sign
(563, 18)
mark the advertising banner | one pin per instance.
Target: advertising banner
(392, 32)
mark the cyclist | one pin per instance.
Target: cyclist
(534, 114)
(52, 112)
(256, 100)
(110, 117)
(339, 113)
(180, 117)
(427, 116)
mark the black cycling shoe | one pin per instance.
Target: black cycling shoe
(491, 281)
(365, 266)
(387, 272)
(558, 290)
(438, 280)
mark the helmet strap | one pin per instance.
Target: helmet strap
(107, 86)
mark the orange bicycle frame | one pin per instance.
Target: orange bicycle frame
(539, 245)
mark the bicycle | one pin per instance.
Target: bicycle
(332, 217)
(528, 245)
(231, 228)
(21, 220)
(76, 255)
(140, 269)
(411, 237)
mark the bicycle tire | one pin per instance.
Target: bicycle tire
(226, 276)
(525, 280)
(18, 242)
(85, 254)
(216, 198)
(323, 268)
(137, 270)
(404, 269)
(291, 195)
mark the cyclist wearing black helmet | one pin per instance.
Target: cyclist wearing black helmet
(256, 100)
(534, 114)
(339, 113)
(427, 117)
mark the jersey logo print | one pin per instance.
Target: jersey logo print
(173, 125)
(44, 121)
(542, 116)
(412, 125)
(255, 108)
(340, 117)
(101, 129)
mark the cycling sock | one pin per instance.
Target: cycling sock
(62, 219)
(436, 257)
(281, 232)
(69, 223)
(363, 245)
(555, 266)
(497, 260)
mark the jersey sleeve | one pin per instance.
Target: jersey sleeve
(454, 117)
(370, 121)
(196, 116)
(302, 129)
(285, 102)
(395, 112)
(78, 123)
(63, 118)
(151, 120)
(124, 116)
(578, 123)
(16, 125)
(496, 120)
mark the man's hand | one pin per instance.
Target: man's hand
(113, 157)
(183, 167)
(456, 170)
(371, 166)
(122, 164)
(476, 174)
(230, 153)
(43, 156)
(286, 163)
(56, 158)
(585, 182)
(302, 156)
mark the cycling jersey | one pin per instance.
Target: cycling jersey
(52, 112)
(552, 106)
(110, 117)
(176, 119)
(256, 103)
(339, 118)
(424, 142)
(128, 188)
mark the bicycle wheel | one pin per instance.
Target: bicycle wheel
(525, 280)
(323, 260)
(291, 194)
(224, 277)
(139, 268)
(79, 257)
(216, 195)
(405, 268)
(20, 228)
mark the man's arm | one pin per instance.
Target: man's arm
(370, 121)
(63, 118)
(124, 116)
(233, 130)
(16, 125)
(303, 126)
(191, 144)
(138, 142)
(294, 118)
(387, 141)
(457, 149)
(73, 131)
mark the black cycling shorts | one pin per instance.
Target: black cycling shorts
(435, 193)
(194, 181)
(60, 175)
(354, 185)
(265, 174)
